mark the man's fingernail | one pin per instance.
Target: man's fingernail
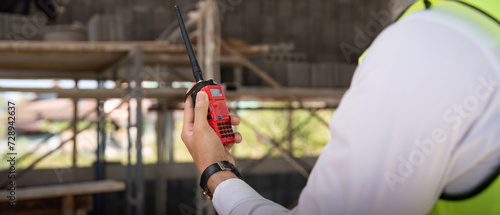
(201, 96)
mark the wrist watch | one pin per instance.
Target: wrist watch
(210, 170)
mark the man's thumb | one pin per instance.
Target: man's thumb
(201, 108)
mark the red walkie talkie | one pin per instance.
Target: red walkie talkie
(218, 114)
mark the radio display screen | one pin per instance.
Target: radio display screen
(216, 92)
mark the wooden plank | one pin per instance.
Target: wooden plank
(243, 93)
(299, 93)
(52, 206)
(62, 190)
(86, 47)
(110, 47)
(45, 74)
(68, 205)
(211, 45)
(96, 56)
(58, 61)
(82, 66)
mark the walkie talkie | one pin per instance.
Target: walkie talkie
(218, 115)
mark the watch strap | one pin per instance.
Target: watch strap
(212, 169)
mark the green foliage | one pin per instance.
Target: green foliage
(308, 138)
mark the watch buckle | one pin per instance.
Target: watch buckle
(222, 167)
(207, 194)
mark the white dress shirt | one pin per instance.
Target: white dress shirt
(422, 116)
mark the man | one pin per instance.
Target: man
(421, 119)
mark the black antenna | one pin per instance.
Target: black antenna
(198, 75)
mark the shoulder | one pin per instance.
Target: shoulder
(442, 36)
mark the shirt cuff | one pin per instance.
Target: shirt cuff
(230, 193)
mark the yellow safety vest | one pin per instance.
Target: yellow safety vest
(485, 13)
(485, 198)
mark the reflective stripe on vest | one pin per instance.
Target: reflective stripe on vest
(484, 199)
(486, 202)
(489, 7)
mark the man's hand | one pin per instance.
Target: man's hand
(201, 140)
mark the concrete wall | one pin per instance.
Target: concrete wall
(326, 34)
(316, 27)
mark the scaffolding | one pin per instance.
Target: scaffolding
(125, 62)
(131, 63)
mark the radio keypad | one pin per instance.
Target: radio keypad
(225, 129)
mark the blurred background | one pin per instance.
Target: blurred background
(98, 88)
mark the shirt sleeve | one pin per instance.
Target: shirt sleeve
(234, 196)
(397, 136)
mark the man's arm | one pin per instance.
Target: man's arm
(205, 148)
(203, 143)
(396, 136)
